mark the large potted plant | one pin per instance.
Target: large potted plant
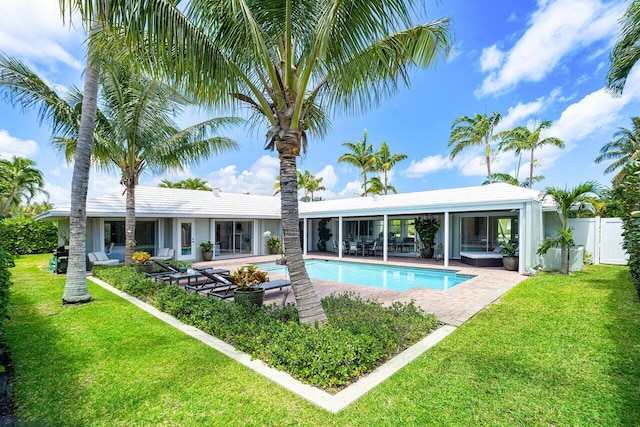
(207, 250)
(323, 234)
(510, 261)
(248, 280)
(427, 229)
(143, 262)
(274, 245)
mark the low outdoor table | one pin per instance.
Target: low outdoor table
(176, 278)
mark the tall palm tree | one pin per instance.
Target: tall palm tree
(186, 184)
(470, 131)
(565, 200)
(522, 138)
(376, 186)
(19, 178)
(291, 62)
(362, 157)
(309, 183)
(624, 149)
(385, 161)
(135, 130)
(625, 53)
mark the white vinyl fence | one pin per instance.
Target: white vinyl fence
(602, 237)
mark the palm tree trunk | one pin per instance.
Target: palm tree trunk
(309, 306)
(531, 170)
(564, 254)
(130, 220)
(385, 182)
(488, 160)
(75, 289)
(12, 195)
(364, 186)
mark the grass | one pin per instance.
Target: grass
(555, 350)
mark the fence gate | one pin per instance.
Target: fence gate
(611, 250)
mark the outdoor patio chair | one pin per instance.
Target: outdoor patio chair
(164, 274)
(275, 284)
(213, 281)
(164, 254)
(353, 248)
(100, 258)
(218, 292)
(109, 248)
(374, 249)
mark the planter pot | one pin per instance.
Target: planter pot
(144, 268)
(427, 253)
(207, 255)
(273, 251)
(217, 249)
(511, 263)
(249, 296)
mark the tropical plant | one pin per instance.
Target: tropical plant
(186, 184)
(623, 150)
(310, 184)
(290, 62)
(18, 178)
(471, 131)
(249, 277)
(141, 257)
(566, 199)
(206, 246)
(508, 179)
(625, 53)
(508, 249)
(385, 161)
(33, 209)
(362, 157)
(377, 187)
(522, 138)
(324, 234)
(274, 242)
(427, 228)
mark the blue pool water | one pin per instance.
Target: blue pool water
(390, 277)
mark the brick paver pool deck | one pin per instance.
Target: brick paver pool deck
(453, 306)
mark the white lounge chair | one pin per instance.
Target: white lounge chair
(100, 258)
(164, 254)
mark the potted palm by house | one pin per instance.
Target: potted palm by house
(274, 245)
(207, 250)
(427, 230)
(143, 262)
(248, 280)
(509, 259)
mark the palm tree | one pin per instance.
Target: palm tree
(385, 161)
(362, 157)
(310, 184)
(290, 62)
(470, 131)
(186, 184)
(624, 150)
(19, 178)
(565, 200)
(376, 186)
(625, 53)
(508, 179)
(522, 138)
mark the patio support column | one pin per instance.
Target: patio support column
(304, 236)
(523, 236)
(446, 238)
(385, 238)
(340, 238)
(214, 238)
(160, 242)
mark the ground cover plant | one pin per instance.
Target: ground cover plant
(556, 350)
(359, 336)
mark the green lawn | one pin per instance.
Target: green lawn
(556, 350)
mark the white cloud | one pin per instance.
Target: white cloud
(11, 146)
(352, 189)
(33, 30)
(259, 179)
(491, 58)
(427, 165)
(556, 30)
(516, 115)
(329, 177)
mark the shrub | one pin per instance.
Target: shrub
(6, 262)
(27, 236)
(360, 334)
(630, 188)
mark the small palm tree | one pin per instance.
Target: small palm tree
(522, 138)
(566, 200)
(384, 162)
(18, 178)
(625, 53)
(624, 150)
(471, 131)
(310, 184)
(509, 179)
(362, 157)
(376, 186)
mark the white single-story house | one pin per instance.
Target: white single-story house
(473, 219)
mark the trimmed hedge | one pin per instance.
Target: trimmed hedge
(630, 188)
(6, 262)
(360, 334)
(27, 236)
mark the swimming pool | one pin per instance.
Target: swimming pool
(389, 277)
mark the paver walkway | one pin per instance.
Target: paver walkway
(453, 306)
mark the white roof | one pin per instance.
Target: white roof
(482, 197)
(171, 202)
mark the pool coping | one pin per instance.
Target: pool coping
(333, 403)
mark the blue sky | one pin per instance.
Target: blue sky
(528, 60)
